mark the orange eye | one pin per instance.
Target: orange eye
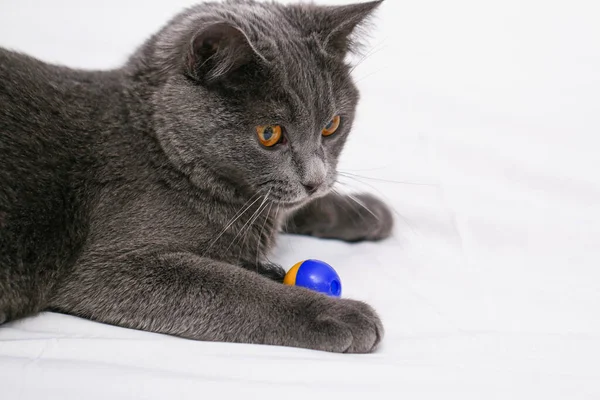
(269, 135)
(332, 126)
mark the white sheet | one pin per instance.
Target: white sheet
(490, 287)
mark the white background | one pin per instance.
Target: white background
(485, 114)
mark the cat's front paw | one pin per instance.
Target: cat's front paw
(352, 218)
(347, 326)
(374, 220)
(355, 218)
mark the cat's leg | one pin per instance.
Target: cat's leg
(186, 295)
(335, 216)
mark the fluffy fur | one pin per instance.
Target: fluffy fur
(141, 197)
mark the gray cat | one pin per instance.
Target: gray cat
(149, 196)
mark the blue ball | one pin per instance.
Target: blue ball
(315, 275)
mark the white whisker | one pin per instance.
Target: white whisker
(374, 50)
(355, 176)
(360, 203)
(406, 221)
(262, 231)
(232, 221)
(256, 213)
(351, 208)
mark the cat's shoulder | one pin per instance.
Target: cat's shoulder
(17, 66)
(23, 73)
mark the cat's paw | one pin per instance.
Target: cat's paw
(374, 220)
(355, 218)
(347, 326)
(351, 218)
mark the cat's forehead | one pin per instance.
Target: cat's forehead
(309, 83)
(307, 80)
(306, 76)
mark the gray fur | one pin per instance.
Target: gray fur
(141, 197)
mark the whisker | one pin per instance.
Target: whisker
(352, 210)
(261, 232)
(374, 50)
(359, 80)
(249, 223)
(353, 176)
(403, 218)
(276, 227)
(360, 203)
(285, 228)
(245, 233)
(370, 169)
(232, 221)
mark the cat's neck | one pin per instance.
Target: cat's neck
(197, 180)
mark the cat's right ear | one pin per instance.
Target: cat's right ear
(217, 52)
(337, 26)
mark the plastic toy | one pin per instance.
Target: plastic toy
(315, 275)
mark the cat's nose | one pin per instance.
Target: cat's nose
(312, 173)
(312, 187)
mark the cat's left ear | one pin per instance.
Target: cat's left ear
(339, 25)
(217, 52)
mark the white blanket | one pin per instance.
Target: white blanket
(479, 124)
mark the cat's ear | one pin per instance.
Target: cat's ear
(339, 25)
(218, 51)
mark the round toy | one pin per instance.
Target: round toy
(315, 275)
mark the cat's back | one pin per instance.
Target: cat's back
(50, 119)
(46, 134)
(37, 97)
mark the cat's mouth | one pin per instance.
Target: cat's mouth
(292, 197)
(287, 203)
(291, 203)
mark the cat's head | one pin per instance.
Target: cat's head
(257, 94)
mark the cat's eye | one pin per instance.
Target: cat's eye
(332, 126)
(269, 135)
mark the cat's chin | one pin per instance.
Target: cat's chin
(295, 204)
(292, 204)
